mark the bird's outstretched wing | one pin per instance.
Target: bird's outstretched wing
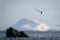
(38, 10)
(43, 10)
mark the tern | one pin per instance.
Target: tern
(40, 11)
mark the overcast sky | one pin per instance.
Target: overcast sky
(12, 11)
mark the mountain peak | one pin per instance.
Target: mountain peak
(20, 23)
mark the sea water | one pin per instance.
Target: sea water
(34, 35)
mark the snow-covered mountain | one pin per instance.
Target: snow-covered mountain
(25, 24)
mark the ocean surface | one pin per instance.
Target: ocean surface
(34, 35)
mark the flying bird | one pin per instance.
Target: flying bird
(40, 11)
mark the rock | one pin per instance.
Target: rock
(23, 34)
(11, 32)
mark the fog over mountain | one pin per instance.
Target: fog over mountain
(28, 25)
(25, 24)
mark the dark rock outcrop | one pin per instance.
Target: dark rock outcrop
(11, 32)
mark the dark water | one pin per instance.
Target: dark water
(34, 35)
